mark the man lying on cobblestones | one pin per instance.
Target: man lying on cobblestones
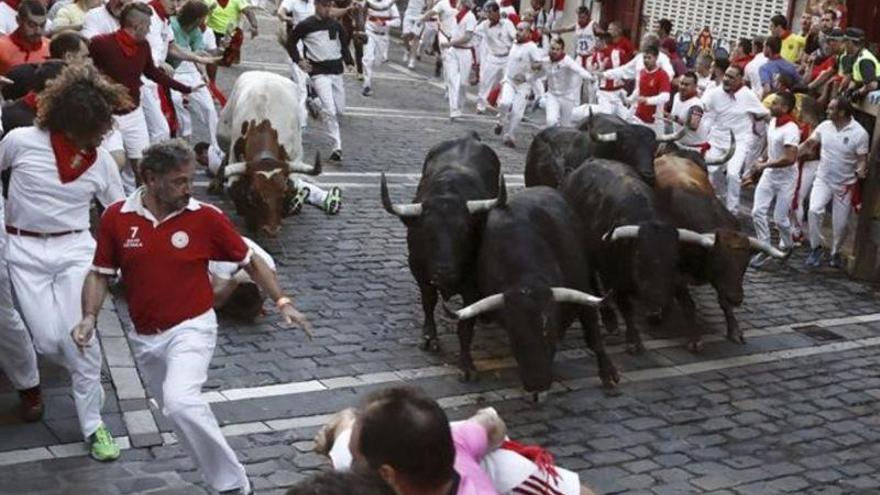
(511, 468)
(236, 295)
(161, 240)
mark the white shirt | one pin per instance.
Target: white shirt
(467, 24)
(299, 10)
(840, 151)
(633, 68)
(498, 38)
(446, 18)
(414, 7)
(390, 17)
(226, 270)
(99, 21)
(778, 138)
(159, 37)
(8, 22)
(704, 83)
(681, 110)
(753, 73)
(564, 77)
(585, 38)
(725, 112)
(520, 60)
(38, 201)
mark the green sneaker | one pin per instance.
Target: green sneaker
(103, 447)
(333, 201)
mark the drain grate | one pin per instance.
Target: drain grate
(816, 332)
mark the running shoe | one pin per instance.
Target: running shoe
(333, 201)
(102, 445)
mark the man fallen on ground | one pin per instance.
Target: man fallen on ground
(236, 295)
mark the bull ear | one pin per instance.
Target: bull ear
(403, 210)
(728, 155)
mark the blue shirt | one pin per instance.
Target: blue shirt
(778, 66)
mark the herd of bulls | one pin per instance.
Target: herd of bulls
(605, 211)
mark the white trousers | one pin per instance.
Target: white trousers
(512, 104)
(47, 277)
(491, 72)
(157, 125)
(302, 82)
(174, 365)
(197, 106)
(129, 134)
(559, 108)
(375, 53)
(808, 175)
(612, 102)
(429, 33)
(456, 69)
(728, 187)
(17, 357)
(841, 203)
(782, 188)
(331, 91)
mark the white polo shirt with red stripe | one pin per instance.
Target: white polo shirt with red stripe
(38, 200)
(165, 264)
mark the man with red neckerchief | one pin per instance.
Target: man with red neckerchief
(57, 169)
(456, 25)
(26, 43)
(125, 57)
(792, 44)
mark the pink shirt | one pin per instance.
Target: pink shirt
(471, 443)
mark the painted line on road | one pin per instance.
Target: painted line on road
(279, 425)
(293, 388)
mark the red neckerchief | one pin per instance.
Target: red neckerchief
(785, 34)
(70, 160)
(30, 100)
(13, 4)
(536, 454)
(126, 42)
(784, 119)
(24, 45)
(584, 24)
(223, 3)
(160, 9)
(461, 13)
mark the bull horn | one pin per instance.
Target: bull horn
(675, 136)
(404, 210)
(484, 305)
(303, 168)
(236, 168)
(728, 155)
(481, 205)
(623, 232)
(564, 295)
(685, 235)
(760, 245)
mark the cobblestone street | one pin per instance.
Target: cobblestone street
(795, 410)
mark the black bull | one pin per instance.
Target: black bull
(534, 270)
(459, 180)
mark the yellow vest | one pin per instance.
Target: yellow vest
(865, 54)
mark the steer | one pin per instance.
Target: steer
(264, 140)
(532, 265)
(632, 247)
(556, 151)
(461, 180)
(686, 195)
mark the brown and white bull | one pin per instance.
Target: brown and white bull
(261, 129)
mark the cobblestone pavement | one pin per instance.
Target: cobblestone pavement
(794, 410)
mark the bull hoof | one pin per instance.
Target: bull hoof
(430, 344)
(736, 337)
(611, 391)
(468, 375)
(635, 348)
(695, 346)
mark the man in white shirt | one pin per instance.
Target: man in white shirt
(524, 60)
(456, 27)
(631, 70)
(843, 160)
(564, 78)
(498, 35)
(731, 107)
(778, 172)
(381, 16)
(753, 68)
(412, 29)
(104, 19)
(57, 169)
(687, 111)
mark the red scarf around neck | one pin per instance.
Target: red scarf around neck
(126, 42)
(70, 160)
(13, 4)
(23, 44)
(461, 13)
(784, 119)
(30, 99)
(160, 9)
